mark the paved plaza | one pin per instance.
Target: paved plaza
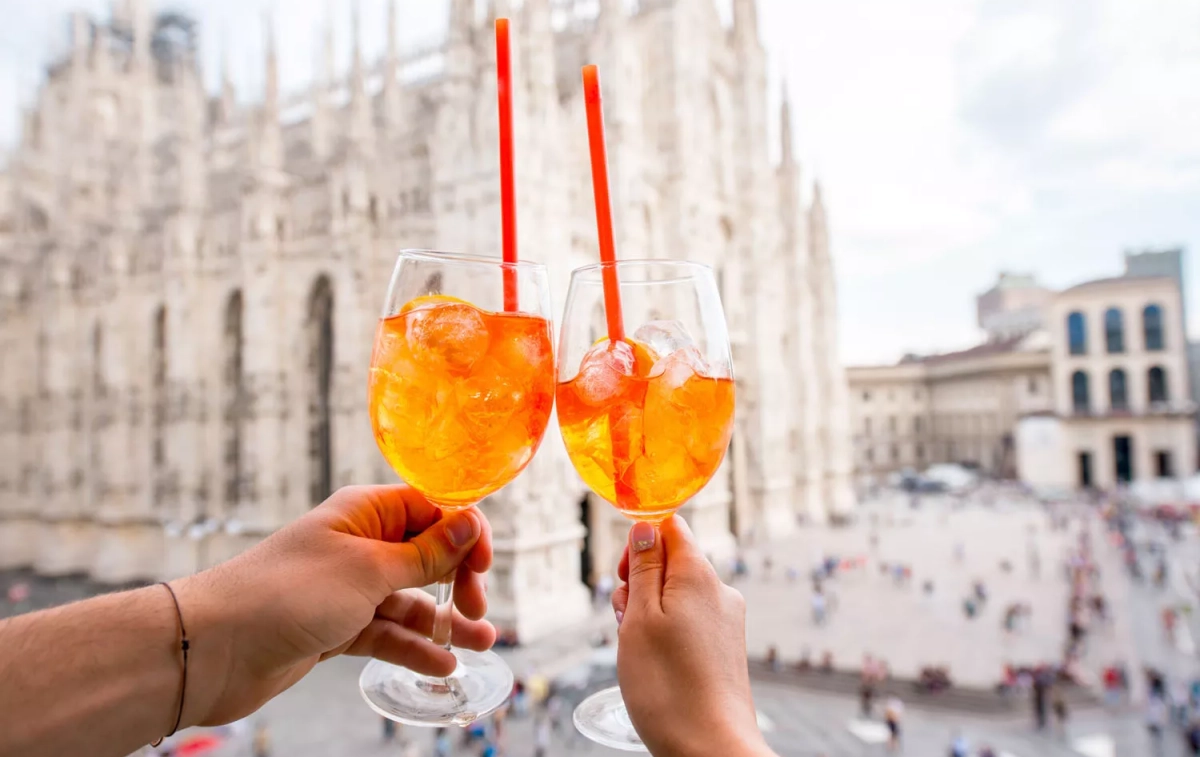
(871, 613)
(323, 716)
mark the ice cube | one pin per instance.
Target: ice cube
(664, 337)
(452, 336)
(675, 368)
(604, 373)
(488, 398)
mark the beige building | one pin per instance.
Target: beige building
(1122, 410)
(959, 407)
(1096, 398)
(1015, 306)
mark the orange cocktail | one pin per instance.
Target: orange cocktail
(645, 432)
(460, 397)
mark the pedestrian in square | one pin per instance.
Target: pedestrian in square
(893, 713)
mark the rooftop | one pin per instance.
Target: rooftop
(1118, 281)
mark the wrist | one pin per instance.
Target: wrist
(210, 632)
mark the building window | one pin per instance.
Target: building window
(1156, 384)
(1079, 393)
(1152, 328)
(1114, 331)
(920, 453)
(892, 424)
(1033, 385)
(917, 425)
(866, 396)
(1077, 333)
(1117, 395)
(1163, 465)
(870, 455)
(867, 426)
(895, 453)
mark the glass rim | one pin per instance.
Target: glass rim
(587, 273)
(462, 258)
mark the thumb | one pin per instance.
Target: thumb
(434, 553)
(647, 561)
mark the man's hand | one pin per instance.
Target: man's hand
(330, 584)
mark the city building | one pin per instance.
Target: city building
(1122, 412)
(189, 285)
(958, 407)
(1015, 306)
(1096, 395)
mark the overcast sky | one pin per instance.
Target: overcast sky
(953, 138)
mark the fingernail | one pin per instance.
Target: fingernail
(620, 617)
(642, 536)
(461, 529)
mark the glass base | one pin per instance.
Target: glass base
(481, 683)
(603, 719)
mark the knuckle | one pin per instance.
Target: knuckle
(426, 557)
(733, 598)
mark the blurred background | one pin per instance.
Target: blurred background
(952, 239)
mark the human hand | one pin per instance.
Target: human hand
(681, 660)
(329, 584)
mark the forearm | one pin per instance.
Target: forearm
(99, 677)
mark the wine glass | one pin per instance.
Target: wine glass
(646, 418)
(460, 394)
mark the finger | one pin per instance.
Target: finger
(432, 554)
(388, 513)
(469, 595)
(647, 562)
(479, 559)
(623, 566)
(389, 641)
(414, 610)
(684, 556)
(620, 602)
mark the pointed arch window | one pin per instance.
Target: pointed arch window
(232, 394)
(321, 362)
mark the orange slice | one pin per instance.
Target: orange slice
(644, 357)
(430, 300)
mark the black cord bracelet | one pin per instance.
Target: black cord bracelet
(183, 647)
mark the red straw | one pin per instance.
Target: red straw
(508, 200)
(604, 221)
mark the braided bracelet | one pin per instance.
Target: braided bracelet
(183, 646)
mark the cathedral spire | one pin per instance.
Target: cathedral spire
(611, 11)
(270, 138)
(391, 67)
(141, 22)
(360, 106)
(460, 55)
(498, 9)
(80, 37)
(538, 53)
(271, 85)
(745, 18)
(787, 150)
(228, 96)
(462, 18)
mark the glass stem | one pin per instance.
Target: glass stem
(445, 610)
